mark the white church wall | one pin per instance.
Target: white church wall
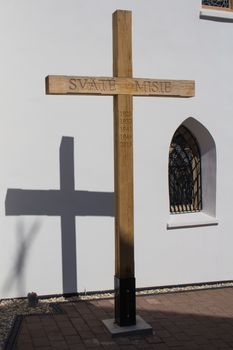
(170, 41)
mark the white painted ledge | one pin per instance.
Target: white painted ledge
(216, 14)
(190, 220)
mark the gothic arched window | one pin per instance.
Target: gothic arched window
(184, 172)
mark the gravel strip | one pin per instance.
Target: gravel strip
(12, 307)
(9, 308)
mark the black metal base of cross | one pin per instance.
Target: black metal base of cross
(126, 322)
(125, 303)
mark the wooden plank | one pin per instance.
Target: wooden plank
(124, 216)
(122, 43)
(75, 85)
(123, 149)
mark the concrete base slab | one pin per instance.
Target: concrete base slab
(141, 327)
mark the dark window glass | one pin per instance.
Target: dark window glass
(184, 172)
(219, 3)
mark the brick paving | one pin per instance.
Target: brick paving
(188, 320)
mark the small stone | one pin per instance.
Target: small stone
(32, 299)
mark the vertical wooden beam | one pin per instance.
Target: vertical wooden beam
(123, 158)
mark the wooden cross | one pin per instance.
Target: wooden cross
(123, 87)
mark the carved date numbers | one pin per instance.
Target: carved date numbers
(125, 129)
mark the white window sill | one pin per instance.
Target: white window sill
(216, 14)
(190, 220)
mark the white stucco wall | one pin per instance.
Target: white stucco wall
(74, 37)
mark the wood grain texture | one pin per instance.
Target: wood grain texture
(123, 149)
(122, 43)
(75, 85)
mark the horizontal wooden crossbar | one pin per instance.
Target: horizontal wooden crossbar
(75, 85)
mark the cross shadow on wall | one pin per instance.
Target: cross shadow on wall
(65, 202)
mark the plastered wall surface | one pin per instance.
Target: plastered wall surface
(170, 41)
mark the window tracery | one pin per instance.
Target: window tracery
(217, 3)
(184, 172)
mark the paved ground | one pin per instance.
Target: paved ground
(190, 320)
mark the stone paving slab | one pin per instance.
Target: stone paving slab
(180, 321)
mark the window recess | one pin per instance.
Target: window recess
(217, 10)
